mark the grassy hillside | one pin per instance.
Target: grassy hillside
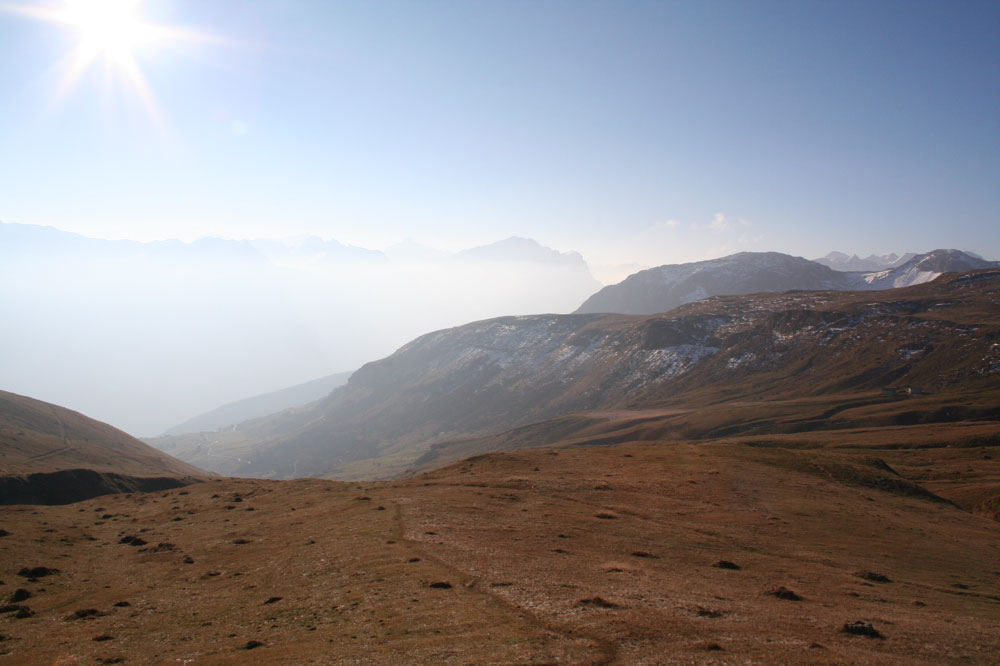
(52, 454)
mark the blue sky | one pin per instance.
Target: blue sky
(652, 132)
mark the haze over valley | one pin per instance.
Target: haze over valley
(206, 323)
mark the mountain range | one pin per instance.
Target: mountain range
(646, 292)
(666, 287)
(872, 263)
(840, 261)
(491, 376)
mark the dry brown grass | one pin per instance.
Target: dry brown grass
(357, 584)
(36, 436)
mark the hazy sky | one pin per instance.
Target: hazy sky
(630, 131)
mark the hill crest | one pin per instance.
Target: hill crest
(50, 454)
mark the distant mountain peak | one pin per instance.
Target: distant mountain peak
(519, 249)
(666, 287)
(512, 247)
(841, 261)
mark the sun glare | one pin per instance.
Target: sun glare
(108, 32)
(109, 28)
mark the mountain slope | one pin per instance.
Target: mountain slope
(50, 454)
(261, 405)
(924, 268)
(498, 374)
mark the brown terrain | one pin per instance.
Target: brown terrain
(634, 554)
(767, 503)
(53, 455)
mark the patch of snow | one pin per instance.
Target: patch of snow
(738, 361)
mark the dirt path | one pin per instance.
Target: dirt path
(608, 650)
(62, 429)
(62, 434)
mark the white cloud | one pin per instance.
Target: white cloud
(666, 224)
(722, 222)
(719, 222)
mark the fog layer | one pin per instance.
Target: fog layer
(147, 335)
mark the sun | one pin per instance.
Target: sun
(108, 28)
(108, 32)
